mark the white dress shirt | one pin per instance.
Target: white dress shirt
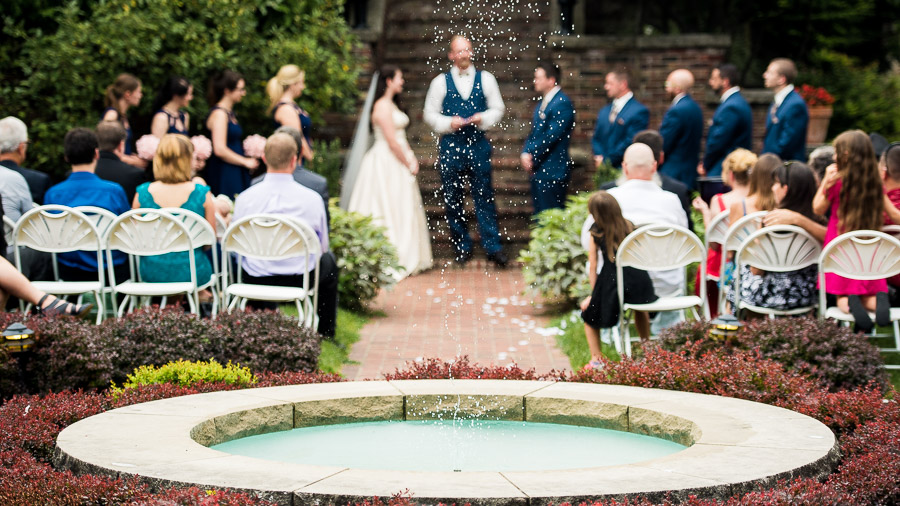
(780, 96)
(729, 92)
(677, 98)
(548, 97)
(434, 99)
(619, 104)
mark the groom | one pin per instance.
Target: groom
(460, 105)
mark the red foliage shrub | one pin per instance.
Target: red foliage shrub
(435, 368)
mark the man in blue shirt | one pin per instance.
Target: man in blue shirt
(84, 188)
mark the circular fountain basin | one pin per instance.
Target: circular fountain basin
(732, 446)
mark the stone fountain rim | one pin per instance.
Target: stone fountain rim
(735, 445)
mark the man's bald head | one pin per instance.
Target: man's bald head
(679, 81)
(638, 162)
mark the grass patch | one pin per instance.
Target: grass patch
(335, 353)
(573, 343)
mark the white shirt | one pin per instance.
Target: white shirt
(434, 99)
(620, 102)
(548, 97)
(779, 97)
(677, 98)
(15, 193)
(729, 92)
(644, 203)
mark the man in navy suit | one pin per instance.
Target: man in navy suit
(682, 129)
(546, 152)
(618, 122)
(732, 124)
(788, 117)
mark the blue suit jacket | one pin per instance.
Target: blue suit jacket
(548, 142)
(681, 130)
(786, 130)
(611, 139)
(732, 128)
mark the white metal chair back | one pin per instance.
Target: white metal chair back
(657, 248)
(779, 248)
(9, 227)
(202, 234)
(274, 237)
(220, 226)
(861, 255)
(61, 229)
(892, 230)
(102, 218)
(717, 229)
(736, 234)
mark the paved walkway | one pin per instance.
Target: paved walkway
(479, 311)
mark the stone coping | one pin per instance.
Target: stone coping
(735, 445)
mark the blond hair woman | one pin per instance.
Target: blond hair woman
(284, 89)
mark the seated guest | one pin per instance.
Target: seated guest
(13, 147)
(279, 193)
(84, 188)
(889, 163)
(111, 136)
(16, 195)
(820, 159)
(304, 176)
(173, 188)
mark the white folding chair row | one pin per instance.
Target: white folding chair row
(659, 248)
(861, 255)
(778, 248)
(203, 235)
(731, 241)
(715, 234)
(271, 237)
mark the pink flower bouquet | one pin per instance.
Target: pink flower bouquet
(202, 148)
(146, 146)
(254, 146)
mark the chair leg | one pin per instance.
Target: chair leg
(300, 319)
(98, 298)
(192, 302)
(625, 334)
(896, 335)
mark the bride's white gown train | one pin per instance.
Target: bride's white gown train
(387, 191)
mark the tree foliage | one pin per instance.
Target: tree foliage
(58, 60)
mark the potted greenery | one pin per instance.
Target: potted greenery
(819, 102)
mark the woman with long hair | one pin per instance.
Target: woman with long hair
(283, 90)
(759, 191)
(853, 190)
(227, 170)
(169, 118)
(601, 308)
(124, 93)
(386, 186)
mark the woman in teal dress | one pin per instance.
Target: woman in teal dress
(173, 188)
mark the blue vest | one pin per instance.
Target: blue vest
(454, 105)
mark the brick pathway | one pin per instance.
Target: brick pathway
(479, 311)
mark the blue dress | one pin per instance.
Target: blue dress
(173, 120)
(305, 122)
(226, 178)
(174, 267)
(129, 137)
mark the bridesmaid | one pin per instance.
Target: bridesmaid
(227, 170)
(283, 90)
(121, 95)
(169, 117)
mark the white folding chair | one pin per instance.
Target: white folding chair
(202, 234)
(892, 230)
(861, 255)
(145, 232)
(736, 234)
(272, 237)
(220, 226)
(659, 248)
(715, 234)
(779, 248)
(60, 229)
(8, 227)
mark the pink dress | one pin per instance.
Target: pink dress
(835, 284)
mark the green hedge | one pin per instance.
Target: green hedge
(58, 60)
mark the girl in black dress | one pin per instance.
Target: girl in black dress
(601, 308)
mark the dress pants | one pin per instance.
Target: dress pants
(548, 194)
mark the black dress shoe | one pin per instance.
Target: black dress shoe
(499, 258)
(463, 257)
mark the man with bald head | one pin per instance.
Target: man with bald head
(681, 129)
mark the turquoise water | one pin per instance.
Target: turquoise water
(462, 445)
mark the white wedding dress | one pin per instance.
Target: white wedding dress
(387, 191)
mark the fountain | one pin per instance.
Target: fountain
(730, 445)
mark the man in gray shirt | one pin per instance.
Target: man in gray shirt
(15, 192)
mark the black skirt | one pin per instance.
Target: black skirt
(603, 311)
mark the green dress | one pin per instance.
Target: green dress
(175, 267)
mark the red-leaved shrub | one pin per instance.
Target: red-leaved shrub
(460, 368)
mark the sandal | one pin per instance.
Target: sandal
(61, 307)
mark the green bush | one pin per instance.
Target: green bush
(327, 163)
(59, 59)
(364, 257)
(184, 373)
(554, 263)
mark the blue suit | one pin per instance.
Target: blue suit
(786, 128)
(732, 128)
(612, 138)
(681, 130)
(548, 145)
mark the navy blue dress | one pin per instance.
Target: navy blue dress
(305, 122)
(173, 121)
(129, 137)
(226, 178)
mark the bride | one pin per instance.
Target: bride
(385, 186)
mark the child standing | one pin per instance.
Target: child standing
(601, 308)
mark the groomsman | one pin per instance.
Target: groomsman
(788, 116)
(461, 105)
(546, 153)
(681, 129)
(618, 122)
(732, 123)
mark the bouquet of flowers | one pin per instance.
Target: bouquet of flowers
(815, 95)
(146, 146)
(202, 148)
(254, 146)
